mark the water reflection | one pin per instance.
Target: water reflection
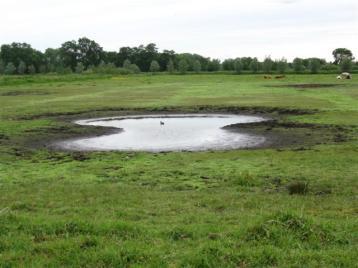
(154, 133)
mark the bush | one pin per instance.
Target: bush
(21, 69)
(79, 68)
(10, 68)
(134, 68)
(298, 188)
(154, 66)
(170, 67)
(108, 68)
(123, 71)
(126, 64)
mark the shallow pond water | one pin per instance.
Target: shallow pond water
(191, 132)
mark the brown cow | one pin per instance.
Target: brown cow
(267, 77)
(279, 76)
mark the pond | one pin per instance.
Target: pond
(162, 133)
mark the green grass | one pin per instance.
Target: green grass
(203, 209)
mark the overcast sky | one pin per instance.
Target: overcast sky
(215, 28)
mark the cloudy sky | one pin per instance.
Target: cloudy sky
(215, 28)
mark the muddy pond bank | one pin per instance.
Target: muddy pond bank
(278, 132)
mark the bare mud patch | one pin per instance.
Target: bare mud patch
(276, 131)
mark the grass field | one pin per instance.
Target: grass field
(186, 209)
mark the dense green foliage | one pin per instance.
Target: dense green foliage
(286, 207)
(282, 66)
(267, 65)
(346, 65)
(72, 55)
(238, 66)
(341, 54)
(254, 65)
(298, 66)
(183, 66)
(314, 65)
(170, 67)
(197, 66)
(154, 66)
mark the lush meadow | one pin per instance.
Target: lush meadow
(287, 206)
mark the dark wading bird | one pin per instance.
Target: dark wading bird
(161, 123)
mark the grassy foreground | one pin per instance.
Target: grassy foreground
(204, 209)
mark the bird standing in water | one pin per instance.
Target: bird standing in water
(161, 123)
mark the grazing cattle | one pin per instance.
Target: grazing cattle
(161, 123)
(344, 76)
(268, 77)
(279, 76)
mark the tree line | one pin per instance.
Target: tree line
(85, 55)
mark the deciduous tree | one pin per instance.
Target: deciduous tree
(170, 67)
(267, 65)
(89, 52)
(70, 54)
(342, 53)
(238, 66)
(298, 66)
(314, 65)
(254, 65)
(214, 65)
(183, 66)
(197, 66)
(154, 66)
(282, 65)
(228, 65)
